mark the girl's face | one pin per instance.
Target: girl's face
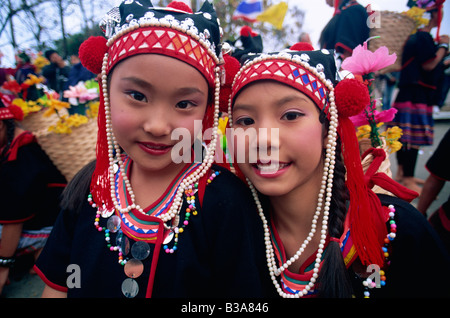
(150, 96)
(287, 132)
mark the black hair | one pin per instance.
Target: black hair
(334, 280)
(76, 192)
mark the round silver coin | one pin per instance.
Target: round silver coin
(130, 288)
(140, 250)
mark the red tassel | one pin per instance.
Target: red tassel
(100, 185)
(363, 211)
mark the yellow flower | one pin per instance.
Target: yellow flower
(391, 135)
(54, 105)
(363, 132)
(417, 14)
(40, 62)
(76, 120)
(92, 109)
(27, 107)
(65, 123)
(33, 79)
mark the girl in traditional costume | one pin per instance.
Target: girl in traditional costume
(418, 89)
(139, 222)
(30, 190)
(327, 234)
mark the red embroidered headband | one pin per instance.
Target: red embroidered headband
(10, 111)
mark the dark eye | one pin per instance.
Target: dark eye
(185, 104)
(137, 96)
(291, 115)
(245, 121)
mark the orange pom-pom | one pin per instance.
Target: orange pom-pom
(180, 6)
(91, 53)
(351, 97)
(302, 46)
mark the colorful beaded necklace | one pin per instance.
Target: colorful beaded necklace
(124, 225)
(295, 283)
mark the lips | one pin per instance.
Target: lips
(155, 148)
(270, 169)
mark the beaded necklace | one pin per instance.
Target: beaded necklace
(140, 250)
(297, 284)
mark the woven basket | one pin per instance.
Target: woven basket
(71, 152)
(394, 30)
(38, 124)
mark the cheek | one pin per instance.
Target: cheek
(123, 122)
(307, 143)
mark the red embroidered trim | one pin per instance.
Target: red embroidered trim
(163, 41)
(287, 72)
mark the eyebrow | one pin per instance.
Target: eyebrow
(136, 80)
(278, 103)
(181, 91)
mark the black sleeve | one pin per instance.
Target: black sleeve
(438, 162)
(419, 263)
(237, 238)
(425, 49)
(30, 188)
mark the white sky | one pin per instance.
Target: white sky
(317, 14)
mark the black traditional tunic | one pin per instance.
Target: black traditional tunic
(220, 253)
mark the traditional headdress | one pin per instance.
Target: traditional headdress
(138, 27)
(429, 5)
(10, 111)
(314, 74)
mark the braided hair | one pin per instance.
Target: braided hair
(334, 280)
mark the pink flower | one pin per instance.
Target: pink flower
(380, 117)
(81, 93)
(363, 61)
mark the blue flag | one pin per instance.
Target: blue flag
(248, 10)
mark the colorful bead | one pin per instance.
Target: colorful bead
(385, 249)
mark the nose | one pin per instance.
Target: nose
(157, 121)
(268, 142)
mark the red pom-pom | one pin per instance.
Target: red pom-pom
(351, 97)
(231, 66)
(16, 111)
(247, 31)
(302, 46)
(180, 6)
(91, 53)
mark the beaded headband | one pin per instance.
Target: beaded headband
(314, 74)
(307, 71)
(137, 27)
